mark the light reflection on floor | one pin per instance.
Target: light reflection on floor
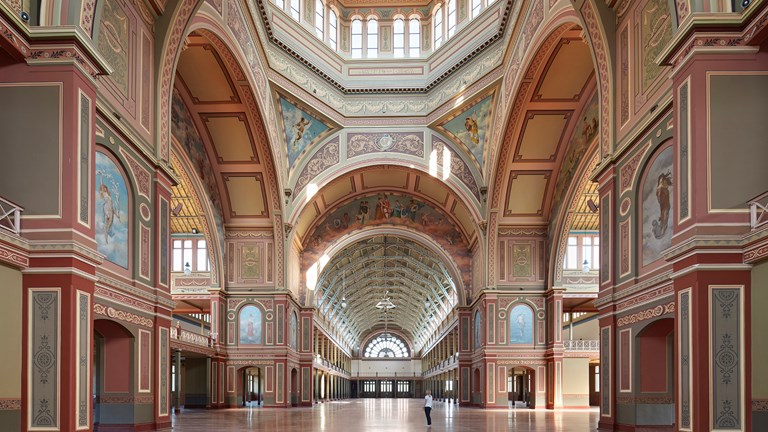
(384, 415)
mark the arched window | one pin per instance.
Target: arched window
(414, 37)
(319, 18)
(451, 18)
(357, 38)
(399, 37)
(476, 5)
(296, 9)
(521, 325)
(250, 325)
(386, 345)
(333, 25)
(438, 31)
(372, 30)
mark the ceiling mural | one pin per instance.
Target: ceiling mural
(184, 130)
(584, 134)
(469, 128)
(388, 209)
(301, 129)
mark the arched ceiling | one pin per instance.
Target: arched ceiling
(553, 124)
(386, 279)
(217, 123)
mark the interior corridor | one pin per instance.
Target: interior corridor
(384, 415)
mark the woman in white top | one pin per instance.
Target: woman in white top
(428, 407)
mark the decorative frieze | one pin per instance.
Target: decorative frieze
(122, 315)
(646, 314)
(649, 296)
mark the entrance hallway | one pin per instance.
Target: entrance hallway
(384, 415)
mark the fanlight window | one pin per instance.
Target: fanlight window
(386, 345)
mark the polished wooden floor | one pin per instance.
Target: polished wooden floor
(384, 415)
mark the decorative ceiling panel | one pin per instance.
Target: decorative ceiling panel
(542, 135)
(526, 193)
(246, 195)
(203, 75)
(230, 136)
(567, 72)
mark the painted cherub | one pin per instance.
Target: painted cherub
(298, 129)
(471, 126)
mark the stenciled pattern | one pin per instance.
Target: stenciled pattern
(685, 365)
(726, 351)
(44, 376)
(646, 314)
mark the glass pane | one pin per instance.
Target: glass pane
(177, 263)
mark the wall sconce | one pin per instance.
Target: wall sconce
(187, 269)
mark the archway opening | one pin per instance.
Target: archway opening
(250, 388)
(655, 374)
(521, 387)
(294, 387)
(113, 380)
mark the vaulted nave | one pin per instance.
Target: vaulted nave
(309, 214)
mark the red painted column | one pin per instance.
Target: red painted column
(554, 348)
(465, 357)
(607, 332)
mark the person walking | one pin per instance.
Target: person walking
(428, 407)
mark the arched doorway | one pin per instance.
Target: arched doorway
(294, 387)
(521, 383)
(477, 393)
(250, 390)
(654, 369)
(113, 380)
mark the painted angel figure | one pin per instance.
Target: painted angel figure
(662, 196)
(471, 125)
(298, 129)
(108, 208)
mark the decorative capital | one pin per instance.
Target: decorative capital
(287, 227)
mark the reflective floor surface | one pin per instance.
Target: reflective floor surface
(384, 415)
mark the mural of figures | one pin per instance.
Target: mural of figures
(657, 205)
(388, 209)
(583, 135)
(250, 325)
(471, 126)
(301, 129)
(111, 211)
(521, 325)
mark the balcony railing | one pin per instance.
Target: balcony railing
(189, 337)
(10, 216)
(582, 345)
(758, 208)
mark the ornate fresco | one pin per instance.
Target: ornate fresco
(656, 30)
(388, 209)
(184, 130)
(250, 325)
(111, 211)
(521, 325)
(470, 128)
(113, 39)
(301, 130)
(658, 190)
(583, 135)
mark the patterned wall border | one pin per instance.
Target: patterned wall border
(645, 298)
(726, 358)
(605, 78)
(10, 404)
(84, 156)
(116, 297)
(625, 360)
(44, 358)
(144, 363)
(683, 158)
(122, 315)
(605, 372)
(685, 371)
(647, 314)
(84, 357)
(163, 366)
